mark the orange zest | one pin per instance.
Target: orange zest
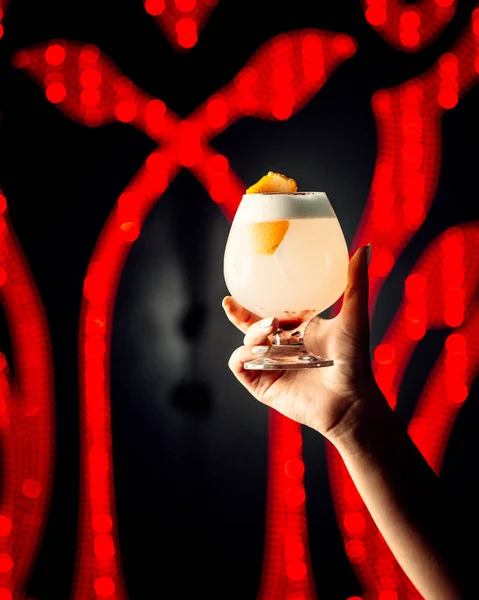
(268, 236)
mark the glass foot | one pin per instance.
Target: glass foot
(287, 357)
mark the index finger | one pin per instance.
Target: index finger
(240, 316)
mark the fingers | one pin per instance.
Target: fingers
(258, 334)
(355, 311)
(244, 354)
(241, 317)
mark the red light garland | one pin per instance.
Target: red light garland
(181, 20)
(409, 27)
(26, 417)
(277, 82)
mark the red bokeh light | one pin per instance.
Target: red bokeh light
(384, 354)
(125, 111)
(5, 526)
(294, 468)
(155, 116)
(296, 570)
(388, 595)
(155, 7)
(186, 32)
(293, 547)
(5, 594)
(130, 231)
(295, 496)
(55, 54)
(90, 97)
(104, 546)
(90, 78)
(218, 164)
(31, 488)
(355, 550)
(354, 522)
(56, 93)
(102, 523)
(3, 204)
(185, 5)
(104, 587)
(6, 562)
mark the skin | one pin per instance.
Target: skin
(344, 404)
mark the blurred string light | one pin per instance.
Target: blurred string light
(277, 82)
(26, 417)
(409, 26)
(437, 293)
(180, 20)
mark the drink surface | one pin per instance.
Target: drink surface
(302, 273)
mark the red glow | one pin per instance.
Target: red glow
(3, 204)
(104, 587)
(406, 26)
(55, 54)
(294, 468)
(447, 98)
(5, 594)
(90, 98)
(296, 570)
(104, 546)
(102, 523)
(295, 496)
(90, 78)
(31, 488)
(5, 526)
(376, 15)
(155, 116)
(354, 522)
(388, 595)
(2, 31)
(355, 550)
(217, 112)
(125, 111)
(218, 164)
(384, 354)
(56, 92)
(155, 7)
(6, 562)
(130, 231)
(185, 5)
(186, 32)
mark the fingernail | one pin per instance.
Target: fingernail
(266, 322)
(223, 302)
(368, 254)
(260, 349)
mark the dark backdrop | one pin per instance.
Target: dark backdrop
(190, 446)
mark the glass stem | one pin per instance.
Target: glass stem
(293, 337)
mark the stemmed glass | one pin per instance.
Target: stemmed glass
(286, 257)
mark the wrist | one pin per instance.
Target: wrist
(363, 425)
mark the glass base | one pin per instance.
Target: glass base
(287, 357)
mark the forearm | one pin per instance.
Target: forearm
(403, 496)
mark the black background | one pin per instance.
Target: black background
(190, 446)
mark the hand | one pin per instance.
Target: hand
(324, 398)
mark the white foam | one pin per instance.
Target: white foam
(258, 208)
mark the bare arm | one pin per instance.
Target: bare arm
(404, 497)
(343, 403)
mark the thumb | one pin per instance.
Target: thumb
(354, 315)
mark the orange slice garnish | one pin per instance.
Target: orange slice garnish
(273, 182)
(268, 236)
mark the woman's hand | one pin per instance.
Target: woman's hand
(326, 399)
